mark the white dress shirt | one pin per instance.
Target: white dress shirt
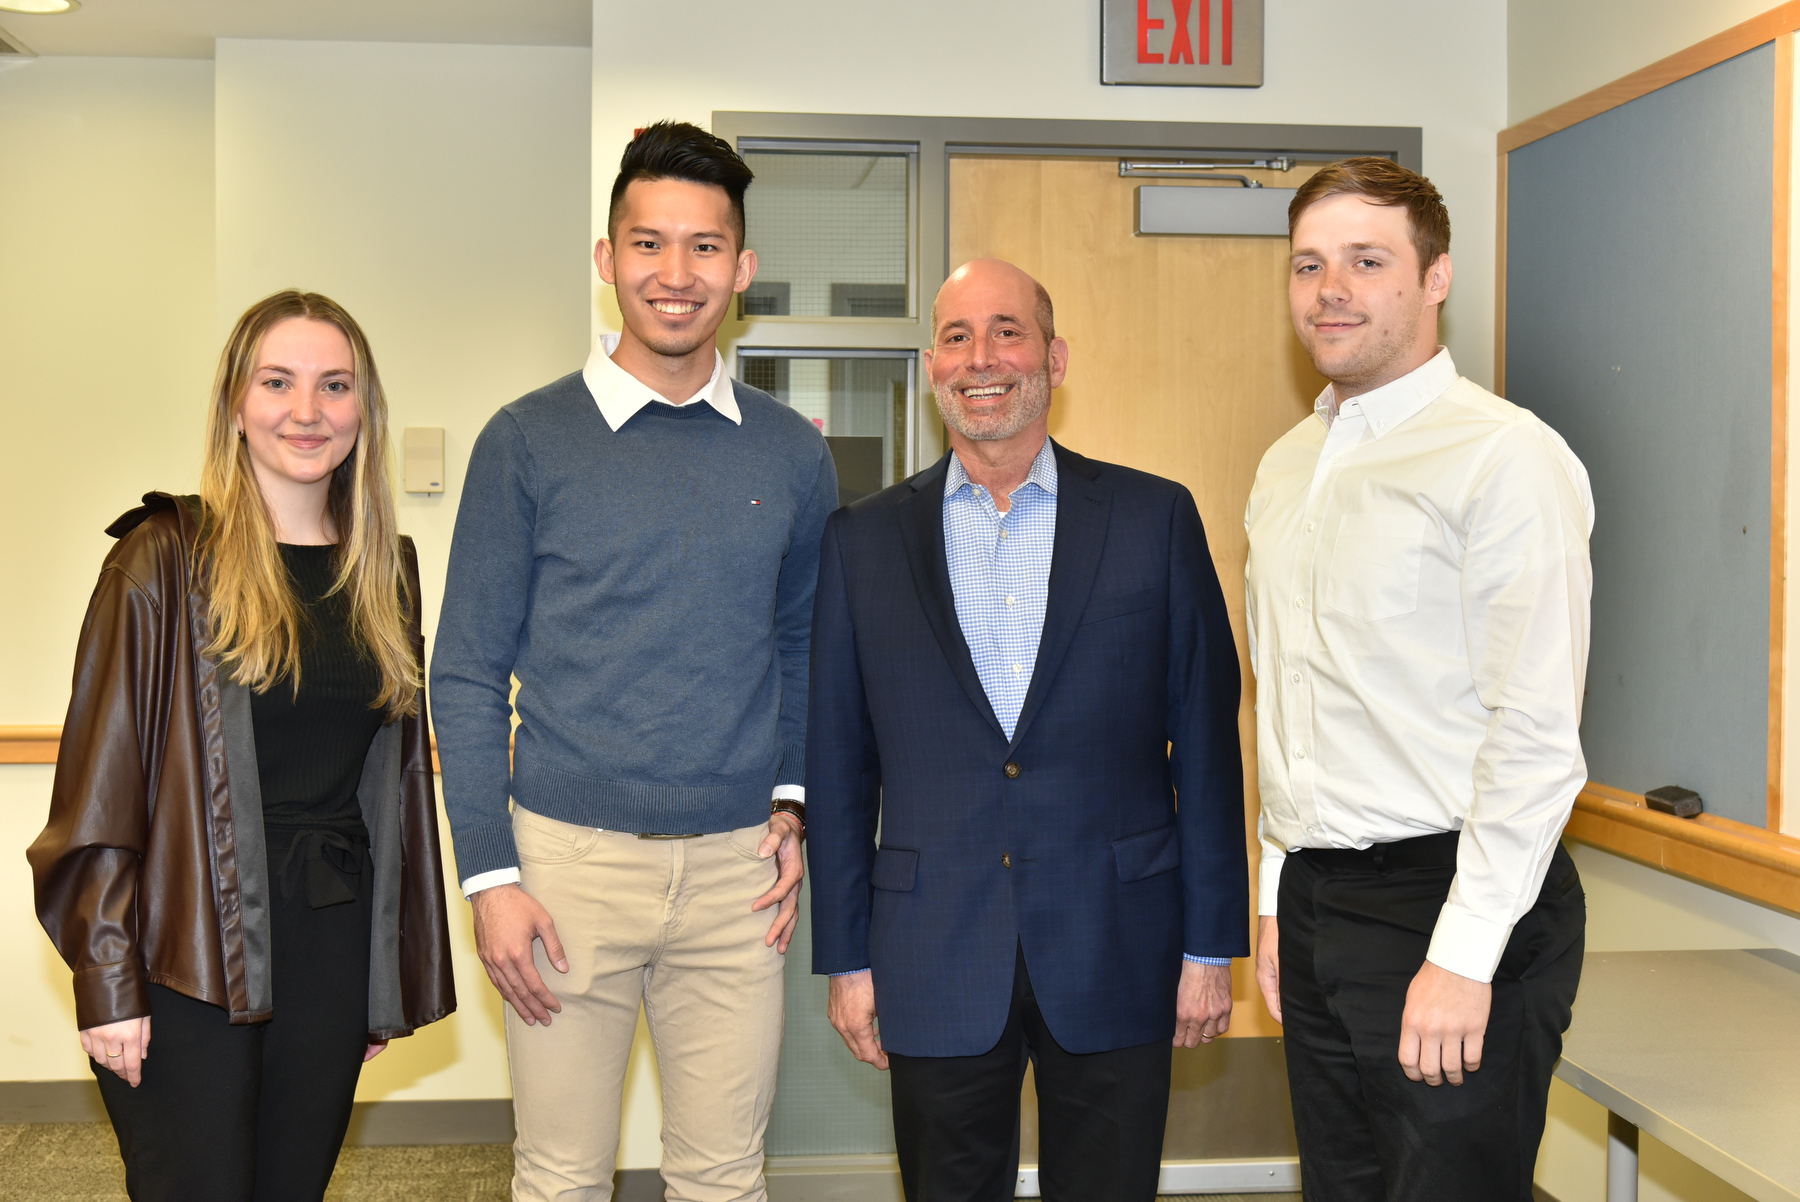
(619, 395)
(1418, 589)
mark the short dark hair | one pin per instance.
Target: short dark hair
(677, 150)
(1383, 182)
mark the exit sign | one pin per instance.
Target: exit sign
(1182, 43)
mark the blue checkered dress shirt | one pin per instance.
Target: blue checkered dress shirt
(1000, 576)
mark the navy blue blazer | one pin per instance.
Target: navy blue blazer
(1065, 840)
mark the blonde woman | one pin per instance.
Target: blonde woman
(242, 857)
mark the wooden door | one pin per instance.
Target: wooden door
(1182, 362)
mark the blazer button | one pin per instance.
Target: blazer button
(1006, 859)
(1012, 771)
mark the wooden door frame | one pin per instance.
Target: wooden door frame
(1754, 862)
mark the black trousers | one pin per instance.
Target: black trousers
(258, 1112)
(1100, 1116)
(1355, 927)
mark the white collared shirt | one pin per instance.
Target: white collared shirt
(1418, 588)
(619, 395)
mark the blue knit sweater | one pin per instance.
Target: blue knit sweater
(651, 590)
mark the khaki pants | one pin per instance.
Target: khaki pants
(667, 922)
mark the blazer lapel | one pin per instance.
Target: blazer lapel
(922, 530)
(1083, 508)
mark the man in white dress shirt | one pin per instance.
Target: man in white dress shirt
(1418, 602)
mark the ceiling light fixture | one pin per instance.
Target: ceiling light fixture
(38, 8)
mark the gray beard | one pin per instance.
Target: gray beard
(1030, 402)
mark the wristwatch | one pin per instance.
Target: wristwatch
(787, 805)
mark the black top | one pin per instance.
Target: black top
(310, 750)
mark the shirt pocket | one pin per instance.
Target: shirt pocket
(1374, 572)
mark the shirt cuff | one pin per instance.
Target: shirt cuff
(1268, 879)
(1467, 944)
(487, 880)
(790, 793)
(1215, 961)
(851, 973)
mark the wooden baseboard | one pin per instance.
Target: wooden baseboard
(1756, 864)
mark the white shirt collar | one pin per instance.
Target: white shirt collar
(1042, 473)
(1391, 404)
(620, 394)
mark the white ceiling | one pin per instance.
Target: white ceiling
(186, 28)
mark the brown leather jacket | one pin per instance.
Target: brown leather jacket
(152, 867)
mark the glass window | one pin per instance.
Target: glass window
(830, 234)
(859, 402)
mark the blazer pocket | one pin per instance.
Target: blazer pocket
(1119, 604)
(1147, 855)
(895, 868)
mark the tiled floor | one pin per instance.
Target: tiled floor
(79, 1162)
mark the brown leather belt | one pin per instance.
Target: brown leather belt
(657, 835)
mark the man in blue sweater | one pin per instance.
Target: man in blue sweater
(637, 548)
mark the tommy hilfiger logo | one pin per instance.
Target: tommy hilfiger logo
(754, 501)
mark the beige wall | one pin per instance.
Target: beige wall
(1415, 62)
(106, 258)
(440, 193)
(1558, 49)
(106, 340)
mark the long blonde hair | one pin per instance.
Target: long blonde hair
(256, 618)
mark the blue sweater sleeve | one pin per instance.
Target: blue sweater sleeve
(485, 599)
(794, 616)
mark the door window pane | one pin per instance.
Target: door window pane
(858, 403)
(830, 234)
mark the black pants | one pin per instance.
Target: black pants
(1100, 1116)
(238, 1113)
(1355, 927)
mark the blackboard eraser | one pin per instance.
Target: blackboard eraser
(1673, 799)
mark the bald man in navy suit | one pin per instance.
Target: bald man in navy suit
(1021, 659)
